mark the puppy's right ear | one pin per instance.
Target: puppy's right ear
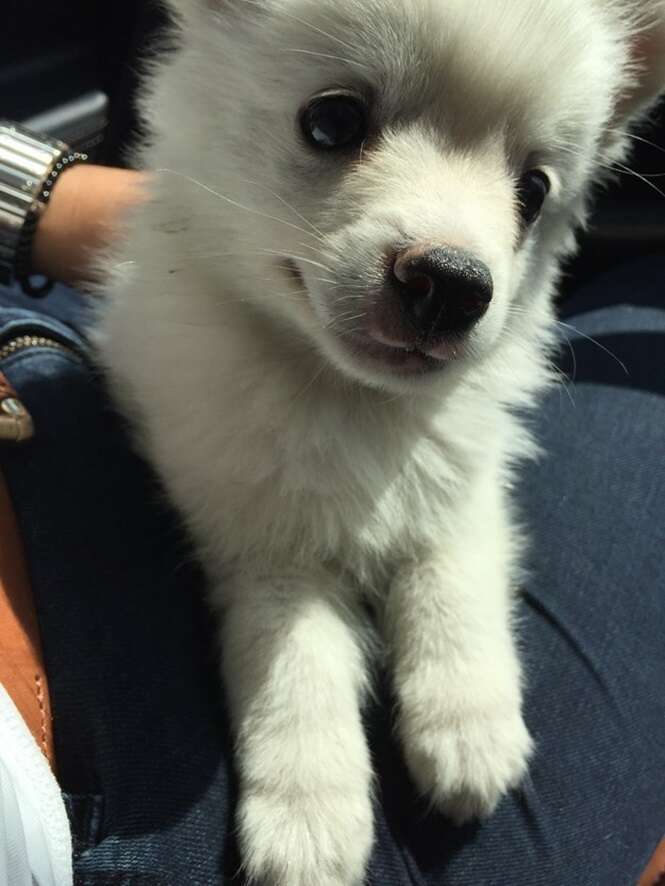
(647, 59)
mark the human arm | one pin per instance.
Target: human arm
(82, 216)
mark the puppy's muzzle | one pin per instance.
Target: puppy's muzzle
(442, 291)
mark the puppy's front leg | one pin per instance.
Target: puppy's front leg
(456, 671)
(294, 675)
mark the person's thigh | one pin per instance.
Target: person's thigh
(592, 622)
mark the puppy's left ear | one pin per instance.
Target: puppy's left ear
(647, 64)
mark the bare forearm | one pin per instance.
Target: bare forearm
(83, 216)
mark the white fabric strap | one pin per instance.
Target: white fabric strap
(35, 839)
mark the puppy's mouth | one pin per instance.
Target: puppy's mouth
(402, 358)
(372, 348)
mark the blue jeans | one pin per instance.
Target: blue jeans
(140, 730)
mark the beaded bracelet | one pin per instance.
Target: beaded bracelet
(24, 248)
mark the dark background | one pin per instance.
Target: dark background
(51, 53)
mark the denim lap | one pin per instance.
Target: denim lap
(140, 730)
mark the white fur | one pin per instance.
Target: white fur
(309, 480)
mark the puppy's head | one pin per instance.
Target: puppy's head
(397, 180)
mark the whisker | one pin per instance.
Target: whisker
(288, 206)
(301, 393)
(573, 356)
(334, 283)
(628, 171)
(316, 249)
(347, 319)
(564, 383)
(311, 27)
(232, 202)
(307, 24)
(636, 138)
(301, 258)
(337, 58)
(392, 399)
(619, 168)
(597, 343)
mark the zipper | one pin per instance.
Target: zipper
(30, 340)
(16, 425)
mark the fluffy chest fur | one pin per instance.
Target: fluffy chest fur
(272, 458)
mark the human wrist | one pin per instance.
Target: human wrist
(82, 217)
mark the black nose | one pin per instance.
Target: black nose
(442, 291)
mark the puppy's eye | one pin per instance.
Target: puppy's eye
(334, 121)
(532, 192)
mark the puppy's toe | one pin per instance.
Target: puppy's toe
(321, 839)
(466, 767)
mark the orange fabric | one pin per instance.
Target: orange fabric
(21, 664)
(656, 869)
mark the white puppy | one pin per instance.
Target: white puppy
(322, 324)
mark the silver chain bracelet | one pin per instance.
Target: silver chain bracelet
(30, 165)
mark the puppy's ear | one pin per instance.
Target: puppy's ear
(192, 12)
(220, 6)
(647, 62)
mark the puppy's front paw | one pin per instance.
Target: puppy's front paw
(318, 839)
(466, 764)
